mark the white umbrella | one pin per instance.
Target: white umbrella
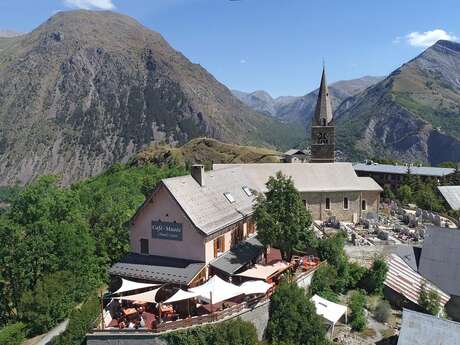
(128, 285)
(148, 296)
(255, 287)
(217, 290)
(181, 295)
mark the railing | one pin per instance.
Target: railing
(195, 320)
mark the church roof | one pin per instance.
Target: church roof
(323, 110)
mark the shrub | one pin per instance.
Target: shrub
(323, 281)
(357, 318)
(12, 334)
(80, 322)
(429, 300)
(293, 318)
(50, 302)
(383, 311)
(233, 332)
(374, 278)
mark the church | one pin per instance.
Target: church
(201, 224)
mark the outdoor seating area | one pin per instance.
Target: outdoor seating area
(153, 307)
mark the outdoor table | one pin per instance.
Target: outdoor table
(129, 312)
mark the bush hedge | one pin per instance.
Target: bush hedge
(12, 334)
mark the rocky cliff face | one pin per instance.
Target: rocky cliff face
(414, 114)
(300, 109)
(87, 89)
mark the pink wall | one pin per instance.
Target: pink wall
(163, 207)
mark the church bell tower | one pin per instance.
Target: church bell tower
(322, 127)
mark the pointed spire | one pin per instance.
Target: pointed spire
(323, 110)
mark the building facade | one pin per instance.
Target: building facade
(323, 127)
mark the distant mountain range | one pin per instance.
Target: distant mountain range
(412, 115)
(87, 89)
(300, 109)
(9, 33)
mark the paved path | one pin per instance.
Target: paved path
(54, 332)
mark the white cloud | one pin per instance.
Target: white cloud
(91, 4)
(243, 61)
(426, 39)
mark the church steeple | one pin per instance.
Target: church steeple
(322, 127)
(323, 110)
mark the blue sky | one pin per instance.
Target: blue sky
(275, 45)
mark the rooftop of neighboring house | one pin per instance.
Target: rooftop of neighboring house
(402, 169)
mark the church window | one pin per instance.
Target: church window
(328, 204)
(345, 203)
(144, 246)
(363, 205)
(324, 122)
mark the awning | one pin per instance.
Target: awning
(264, 271)
(128, 285)
(330, 311)
(181, 295)
(255, 287)
(148, 296)
(217, 290)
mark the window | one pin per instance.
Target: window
(229, 197)
(328, 204)
(144, 246)
(363, 205)
(247, 191)
(345, 203)
(305, 203)
(219, 246)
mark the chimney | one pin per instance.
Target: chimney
(198, 173)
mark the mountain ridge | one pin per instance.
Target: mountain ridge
(86, 89)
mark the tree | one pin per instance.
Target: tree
(357, 318)
(282, 218)
(49, 302)
(332, 250)
(374, 279)
(429, 300)
(405, 194)
(12, 334)
(323, 283)
(293, 319)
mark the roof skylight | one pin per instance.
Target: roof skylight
(247, 191)
(229, 197)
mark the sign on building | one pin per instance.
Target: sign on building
(167, 230)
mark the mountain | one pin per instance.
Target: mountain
(9, 33)
(413, 114)
(87, 89)
(204, 151)
(300, 109)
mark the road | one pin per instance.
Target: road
(54, 332)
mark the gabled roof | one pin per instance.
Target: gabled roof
(292, 152)
(403, 169)
(452, 195)
(323, 110)
(207, 206)
(423, 329)
(307, 177)
(407, 282)
(156, 268)
(440, 258)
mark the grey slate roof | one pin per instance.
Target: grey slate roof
(440, 258)
(409, 254)
(157, 268)
(452, 195)
(307, 177)
(423, 329)
(323, 108)
(402, 169)
(206, 206)
(243, 253)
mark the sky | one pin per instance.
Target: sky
(275, 45)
